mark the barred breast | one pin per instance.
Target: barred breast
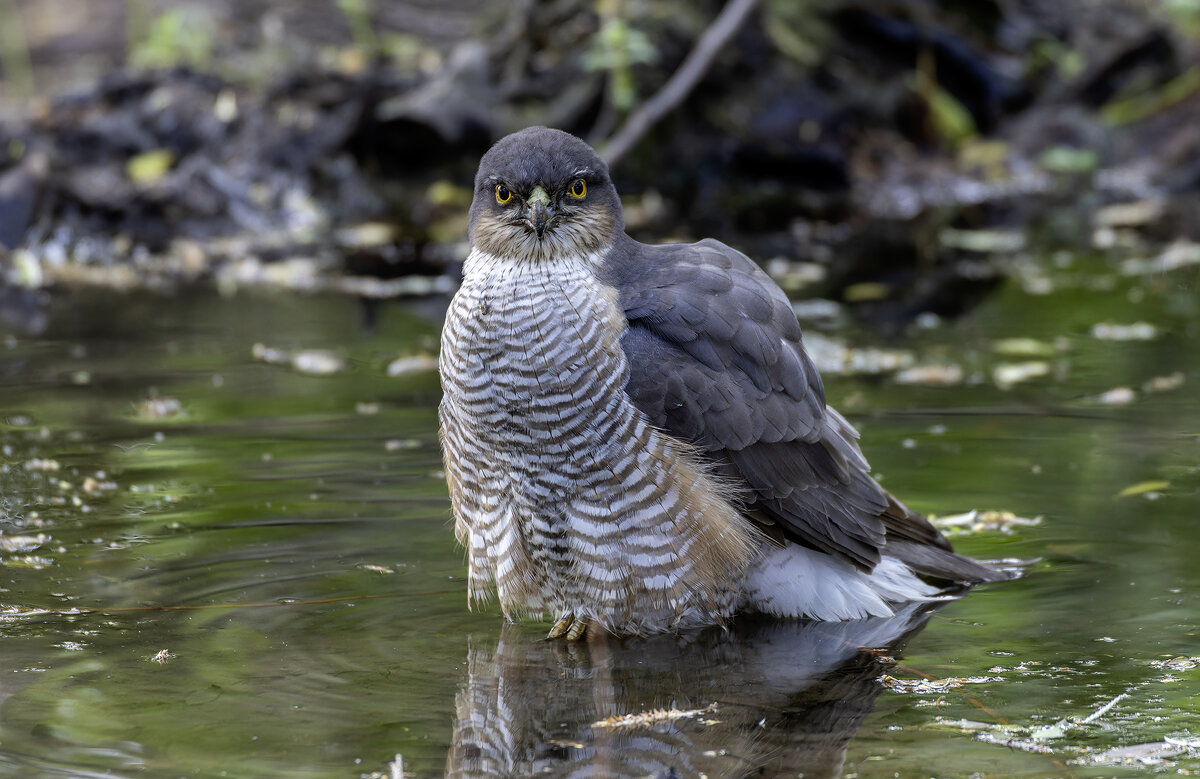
(564, 495)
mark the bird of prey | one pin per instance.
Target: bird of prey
(634, 437)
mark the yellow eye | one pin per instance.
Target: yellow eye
(578, 189)
(503, 194)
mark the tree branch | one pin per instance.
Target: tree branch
(681, 82)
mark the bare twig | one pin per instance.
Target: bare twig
(682, 81)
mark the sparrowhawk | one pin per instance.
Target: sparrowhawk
(634, 437)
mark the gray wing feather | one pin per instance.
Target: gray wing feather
(716, 359)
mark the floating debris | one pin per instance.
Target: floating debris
(1036, 282)
(1150, 754)
(269, 355)
(42, 464)
(834, 356)
(1023, 744)
(982, 521)
(314, 362)
(876, 361)
(918, 685)
(655, 717)
(1166, 383)
(1117, 396)
(155, 408)
(931, 375)
(1023, 347)
(22, 543)
(1008, 374)
(964, 725)
(32, 562)
(318, 362)
(926, 686)
(296, 273)
(794, 275)
(1100, 712)
(371, 287)
(1138, 331)
(162, 656)
(819, 310)
(1135, 214)
(94, 485)
(404, 366)
(1033, 738)
(1178, 255)
(1176, 663)
(1190, 742)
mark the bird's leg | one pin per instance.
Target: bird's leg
(561, 625)
(579, 629)
(569, 627)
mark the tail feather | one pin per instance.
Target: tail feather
(943, 566)
(912, 539)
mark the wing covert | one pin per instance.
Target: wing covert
(716, 359)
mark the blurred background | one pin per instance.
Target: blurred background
(910, 140)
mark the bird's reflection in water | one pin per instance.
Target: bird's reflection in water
(789, 696)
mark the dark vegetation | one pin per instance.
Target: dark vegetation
(890, 155)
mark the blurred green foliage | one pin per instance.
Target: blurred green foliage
(797, 28)
(179, 36)
(1069, 159)
(358, 15)
(1184, 15)
(616, 49)
(1147, 103)
(14, 51)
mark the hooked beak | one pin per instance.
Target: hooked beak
(538, 214)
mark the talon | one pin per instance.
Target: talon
(562, 625)
(579, 629)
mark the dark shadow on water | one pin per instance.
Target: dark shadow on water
(762, 699)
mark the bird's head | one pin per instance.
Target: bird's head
(543, 195)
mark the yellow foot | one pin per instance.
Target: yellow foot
(571, 628)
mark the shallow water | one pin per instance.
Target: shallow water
(262, 581)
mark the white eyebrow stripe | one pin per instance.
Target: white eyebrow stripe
(583, 172)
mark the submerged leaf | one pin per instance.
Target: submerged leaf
(1143, 487)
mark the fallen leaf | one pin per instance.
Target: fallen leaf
(150, 166)
(1143, 487)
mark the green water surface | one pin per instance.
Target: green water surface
(262, 581)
